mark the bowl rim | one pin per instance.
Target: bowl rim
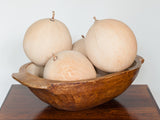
(25, 77)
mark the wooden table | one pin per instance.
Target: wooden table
(136, 103)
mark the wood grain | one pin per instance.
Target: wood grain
(136, 103)
(79, 95)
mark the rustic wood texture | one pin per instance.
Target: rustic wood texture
(136, 103)
(79, 95)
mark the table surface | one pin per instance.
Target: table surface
(136, 103)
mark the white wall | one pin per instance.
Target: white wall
(143, 16)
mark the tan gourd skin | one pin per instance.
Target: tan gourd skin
(35, 70)
(44, 38)
(110, 45)
(68, 66)
(79, 46)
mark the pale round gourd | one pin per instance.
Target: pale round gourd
(110, 45)
(35, 70)
(68, 66)
(44, 38)
(79, 46)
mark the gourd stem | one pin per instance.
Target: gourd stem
(54, 57)
(82, 36)
(94, 18)
(53, 14)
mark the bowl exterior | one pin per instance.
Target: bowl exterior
(80, 96)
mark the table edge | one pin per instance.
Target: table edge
(11, 87)
(153, 100)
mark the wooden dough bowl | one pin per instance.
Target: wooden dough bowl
(79, 95)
